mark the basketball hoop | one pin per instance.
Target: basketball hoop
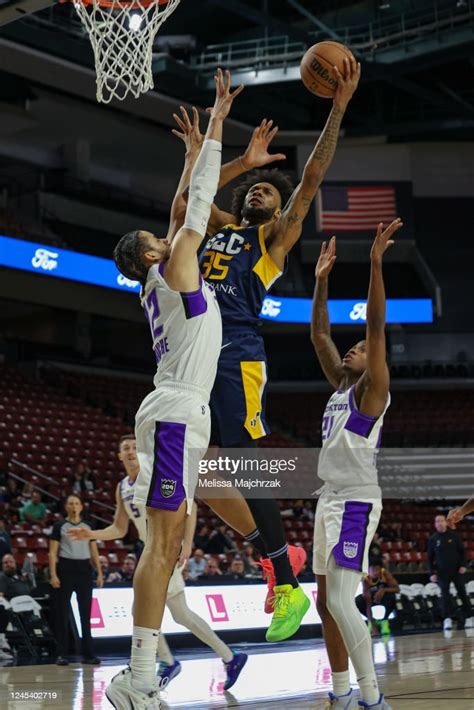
(122, 33)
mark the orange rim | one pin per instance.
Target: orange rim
(120, 3)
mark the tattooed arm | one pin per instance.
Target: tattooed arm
(287, 229)
(328, 354)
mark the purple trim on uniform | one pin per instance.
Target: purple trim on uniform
(358, 423)
(194, 302)
(161, 268)
(349, 551)
(166, 487)
(379, 440)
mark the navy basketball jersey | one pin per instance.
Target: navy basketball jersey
(236, 262)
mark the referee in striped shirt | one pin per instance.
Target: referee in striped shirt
(70, 565)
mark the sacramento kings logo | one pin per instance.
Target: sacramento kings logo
(168, 487)
(351, 549)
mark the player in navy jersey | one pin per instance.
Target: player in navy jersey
(244, 257)
(350, 503)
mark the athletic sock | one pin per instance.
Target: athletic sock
(164, 652)
(369, 688)
(143, 659)
(281, 565)
(341, 683)
(257, 541)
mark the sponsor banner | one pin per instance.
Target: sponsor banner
(84, 268)
(225, 608)
(347, 311)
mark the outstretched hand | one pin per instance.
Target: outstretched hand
(257, 155)
(80, 533)
(190, 133)
(326, 259)
(454, 517)
(347, 82)
(383, 239)
(224, 96)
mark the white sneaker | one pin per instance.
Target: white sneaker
(344, 702)
(123, 696)
(381, 705)
(5, 654)
(447, 625)
(469, 623)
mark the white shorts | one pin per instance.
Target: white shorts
(172, 428)
(344, 528)
(176, 585)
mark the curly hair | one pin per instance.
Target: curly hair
(275, 177)
(128, 256)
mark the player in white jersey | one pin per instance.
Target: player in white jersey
(350, 503)
(128, 510)
(174, 419)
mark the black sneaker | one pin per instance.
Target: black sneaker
(61, 661)
(91, 661)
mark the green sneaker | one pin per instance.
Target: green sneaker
(385, 628)
(290, 605)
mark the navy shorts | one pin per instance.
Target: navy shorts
(239, 392)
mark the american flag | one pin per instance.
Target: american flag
(355, 209)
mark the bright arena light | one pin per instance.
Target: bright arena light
(135, 22)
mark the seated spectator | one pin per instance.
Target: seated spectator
(35, 510)
(220, 541)
(12, 494)
(125, 574)
(375, 549)
(197, 564)
(237, 569)
(83, 480)
(252, 568)
(27, 492)
(379, 588)
(12, 584)
(104, 565)
(201, 538)
(212, 569)
(5, 540)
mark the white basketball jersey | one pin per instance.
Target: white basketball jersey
(135, 511)
(186, 330)
(350, 442)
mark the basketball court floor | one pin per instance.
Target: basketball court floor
(425, 672)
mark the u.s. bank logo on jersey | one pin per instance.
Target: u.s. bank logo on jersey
(168, 487)
(350, 549)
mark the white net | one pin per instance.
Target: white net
(122, 39)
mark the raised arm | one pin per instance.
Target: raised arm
(287, 229)
(457, 514)
(117, 530)
(328, 354)
(372, 388)
(181, 270)
(192, 138)
(255, 156)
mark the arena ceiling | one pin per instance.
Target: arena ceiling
(418, 59)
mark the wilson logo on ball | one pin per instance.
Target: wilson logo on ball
(323, 73)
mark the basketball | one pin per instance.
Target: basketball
(317, 67)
